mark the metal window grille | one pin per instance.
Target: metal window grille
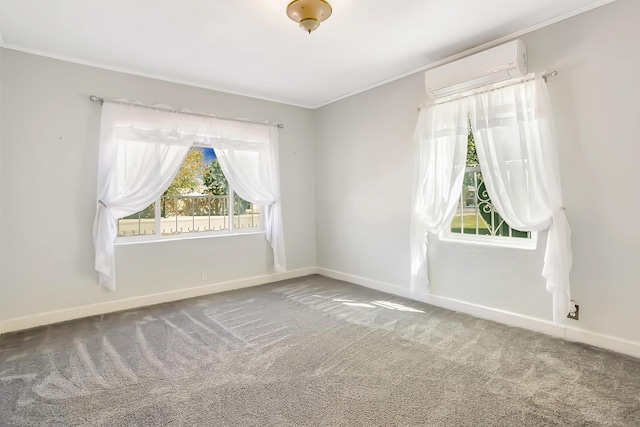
(175, 215)
(476, 214)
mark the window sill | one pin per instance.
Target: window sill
(497, 242)
(135, 240)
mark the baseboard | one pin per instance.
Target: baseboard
(367, 283)
(619, 345)
(48, 318)
(570, 333)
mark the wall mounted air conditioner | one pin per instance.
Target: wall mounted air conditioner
(498, 64)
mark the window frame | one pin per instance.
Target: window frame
(447, 235)
(231, 231)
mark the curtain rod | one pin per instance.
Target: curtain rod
(544, 77)
(94, 98)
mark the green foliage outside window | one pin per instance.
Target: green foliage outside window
(187, 178)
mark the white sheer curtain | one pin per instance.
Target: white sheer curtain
(141, 151)
(516, 149)
(251, 167)
(440, 152)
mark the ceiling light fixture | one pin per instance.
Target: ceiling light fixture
(309, 13)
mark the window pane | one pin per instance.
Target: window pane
(246, 215)
(192, 213)
(216, 188)
(170, 209)
(476, 214)
(141, 223)
(219, 212)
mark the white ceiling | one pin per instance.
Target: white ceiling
(251, 47)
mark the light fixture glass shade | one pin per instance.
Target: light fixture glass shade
(309, 13)
(309, 24)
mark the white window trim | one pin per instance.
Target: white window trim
(134, 240)
(497, 241)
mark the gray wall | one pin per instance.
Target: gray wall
(48, 173)
(364, 173)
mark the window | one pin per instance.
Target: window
(197, 201)
(143, 148)
(476, 218)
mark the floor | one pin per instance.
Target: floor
(310, 351)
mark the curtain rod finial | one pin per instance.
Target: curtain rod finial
(94, 98)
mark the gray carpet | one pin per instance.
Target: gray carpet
(307, 352)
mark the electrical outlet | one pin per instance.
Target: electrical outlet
(574, 311)
(204, 275)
